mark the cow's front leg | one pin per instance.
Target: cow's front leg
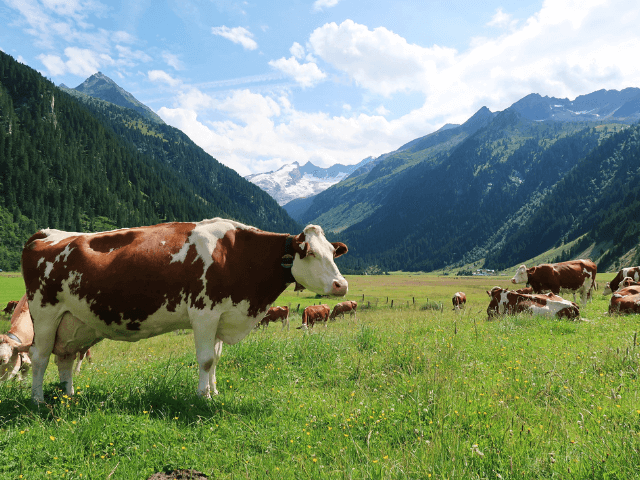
(65, 371)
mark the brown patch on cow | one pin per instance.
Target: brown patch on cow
(113, 241)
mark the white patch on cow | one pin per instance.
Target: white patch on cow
(502, 303)
(54, 236)
(48, 269)
(40, 262)
(163, 243)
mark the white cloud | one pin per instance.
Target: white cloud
(162, 76)
(172, 60)
(319, 5)
(237, 35)
(306, 74)
(297, 50)
(502, 20)
(81, 61)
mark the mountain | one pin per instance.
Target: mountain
(462, 195)
(293, 181)
(82, 164)
(102, 87)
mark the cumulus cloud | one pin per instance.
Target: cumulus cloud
(237, 35)
(80, 61)
(297, 50)
(305, 74)
(172, 60)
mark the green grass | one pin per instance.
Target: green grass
(401, 393)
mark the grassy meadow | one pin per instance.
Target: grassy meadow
(410, 392)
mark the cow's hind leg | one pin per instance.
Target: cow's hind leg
(65, 371)
(43, 341)
(208, 351)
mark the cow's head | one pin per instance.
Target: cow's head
(498, 298)
(521, 275)
(6, 350)
(607, 289)
(314, 266)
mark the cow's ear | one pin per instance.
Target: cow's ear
(300, 246)
(341, 249)
(488, 292)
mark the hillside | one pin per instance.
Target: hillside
(83, 168)
(471, 201)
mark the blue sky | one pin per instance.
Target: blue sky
(258, 84)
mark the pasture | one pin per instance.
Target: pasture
(413, 391)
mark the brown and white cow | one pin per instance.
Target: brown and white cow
(625, 299)
(14, 345)
(275, 314)
(613, 285)
(341, 308)
(11, 306)
(459, 301)
(217, 277)
(313, 314)
(574, 276)
(509, 302)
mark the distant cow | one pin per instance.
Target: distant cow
(11, 306)
(574, 276)
(217, 277)
(275, 314)
(313, 314)
(459, 300)
(626, 299)
(613, 285)
(508, 302)
(14, 345)
(341, 308)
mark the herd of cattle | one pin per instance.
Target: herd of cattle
(219, 278)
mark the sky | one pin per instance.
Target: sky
(260, 84)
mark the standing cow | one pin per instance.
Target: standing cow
(574, 276)
(459, 301)
(275, 314)
(613, 285)
(313, 314)
(341, 308)
(217, 277)
(14, 345)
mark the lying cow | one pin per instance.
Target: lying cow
(313, 314)
(508, 302)
(574, 276)
(11, 306)
(275, 314)
(459, 301)
(217, 277)
(14, 345)
(633, 273)
(341, 308)
(625, 300)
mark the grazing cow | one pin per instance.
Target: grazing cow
(276, 314)
(313, 314)
(459, 301)
(11, 306)
(217, 277)
(508, 302)
(343, 307)
(573, 276)
(613, 285)
(14, 345)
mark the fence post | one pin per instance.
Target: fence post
(391, 303)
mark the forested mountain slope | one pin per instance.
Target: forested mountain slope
(474, 200)
(63, 167)
(600, 197)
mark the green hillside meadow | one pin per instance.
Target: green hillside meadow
(412, 391)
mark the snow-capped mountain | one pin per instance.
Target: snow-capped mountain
(294, 181)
